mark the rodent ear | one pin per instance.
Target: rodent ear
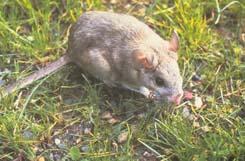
(174, 42)
(142, 60)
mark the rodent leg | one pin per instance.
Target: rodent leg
(148, 93)
(94, 61)
(142, 90)
(109, 83)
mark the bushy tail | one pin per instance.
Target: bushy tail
(50, 68)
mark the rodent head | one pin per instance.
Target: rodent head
(160, 72)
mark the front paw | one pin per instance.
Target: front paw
(153, 96)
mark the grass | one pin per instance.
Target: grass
(61, 117)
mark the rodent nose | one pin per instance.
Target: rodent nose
(176, 98)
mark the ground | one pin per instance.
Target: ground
(71, 116)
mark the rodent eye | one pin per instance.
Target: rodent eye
(160, 82)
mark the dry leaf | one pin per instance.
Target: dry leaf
(196, 124)
(41, 158)
(205, 128)
(113, 121)
(106, 115)
(122, 137)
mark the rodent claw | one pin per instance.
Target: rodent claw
(153, 95)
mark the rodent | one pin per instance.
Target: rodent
(121, 51)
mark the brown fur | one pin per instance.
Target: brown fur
(119, 50)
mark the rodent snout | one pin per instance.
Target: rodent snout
(170, 95)
(176, 98)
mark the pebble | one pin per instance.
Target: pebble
(57, 141)
(84, 148)
(1, 82)
(196, 78)
(185, 112)
(87, 130)
(27, 134)
(198, 102)
(62, 146)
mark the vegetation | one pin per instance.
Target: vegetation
(70, 116)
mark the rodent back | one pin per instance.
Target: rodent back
(104, 44)
(117, 35)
